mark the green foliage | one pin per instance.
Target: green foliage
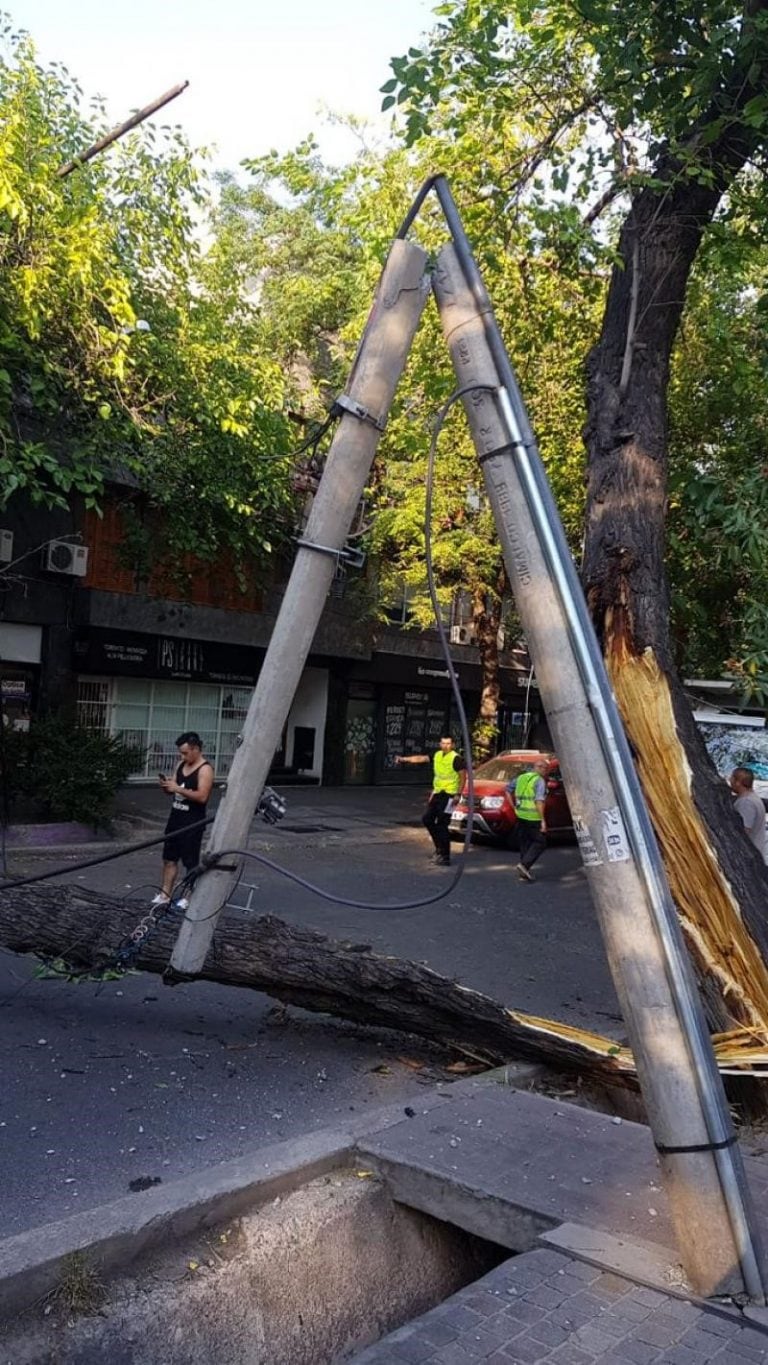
(547, 301)
(125, 346)
(14, 750)
(635, 82)
(718, 520)
(67, 772)
(575, 107)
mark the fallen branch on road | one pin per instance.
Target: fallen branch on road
(301, 967)
(347, 980)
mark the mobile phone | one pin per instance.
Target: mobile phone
(162, 777)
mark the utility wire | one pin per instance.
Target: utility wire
(103, 858)
(311, 443)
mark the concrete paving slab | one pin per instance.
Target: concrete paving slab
(501, 1150)
(642, 1262)
(545, 1306)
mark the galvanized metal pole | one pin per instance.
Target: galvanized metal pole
(678, 1075)
(400, 300)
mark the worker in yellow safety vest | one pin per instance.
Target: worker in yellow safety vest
(447, 769)
(529, 793)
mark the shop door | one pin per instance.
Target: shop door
(360, 741)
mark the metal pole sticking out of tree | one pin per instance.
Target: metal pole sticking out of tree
(121, 129)
(681, 1085)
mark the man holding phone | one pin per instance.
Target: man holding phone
(190, 789)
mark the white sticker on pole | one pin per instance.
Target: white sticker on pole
(589, 854)
(615, 836)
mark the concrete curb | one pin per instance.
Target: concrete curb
(114, 1235)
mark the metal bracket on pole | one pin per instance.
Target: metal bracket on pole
(354, 409)
(355, 559)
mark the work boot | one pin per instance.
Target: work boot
(443, 859)
(524, 873)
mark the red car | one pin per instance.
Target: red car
(494, 813)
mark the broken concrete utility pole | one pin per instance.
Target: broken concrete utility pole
(681, 1086)
(688, 1113)
(402, 294)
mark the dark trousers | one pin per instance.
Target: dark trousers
(436, 821)
(531, 841)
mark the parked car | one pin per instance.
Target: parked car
(494, 814)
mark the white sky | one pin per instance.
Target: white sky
(258, 69)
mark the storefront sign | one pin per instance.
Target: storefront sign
(385, 669)
(14, 687)
(129, 654)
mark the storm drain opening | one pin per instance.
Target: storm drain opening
(311, 1278)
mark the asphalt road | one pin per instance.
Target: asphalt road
(103, 1085)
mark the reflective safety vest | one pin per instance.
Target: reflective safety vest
(525, 801)
(445, 778)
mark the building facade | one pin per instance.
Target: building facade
(149, 658)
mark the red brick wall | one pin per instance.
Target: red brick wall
(205, 584)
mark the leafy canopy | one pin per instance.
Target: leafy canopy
(129, 343)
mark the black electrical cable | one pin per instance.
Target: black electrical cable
(311, 442)
(103, 858)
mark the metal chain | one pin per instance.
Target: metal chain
(146, 926)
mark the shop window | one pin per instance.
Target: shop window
(152, 715)
(94, 705)
(16, 689)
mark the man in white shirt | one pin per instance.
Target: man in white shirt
(749, 806)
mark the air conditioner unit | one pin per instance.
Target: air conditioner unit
(62, 557)
(6, 547)
(462, 635)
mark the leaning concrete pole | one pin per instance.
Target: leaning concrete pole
(681, 1086)
(400, 299)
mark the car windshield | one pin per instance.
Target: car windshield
(502, 769)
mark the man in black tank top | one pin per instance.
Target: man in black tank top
(190, 789)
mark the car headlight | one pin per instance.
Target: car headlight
(492, 802)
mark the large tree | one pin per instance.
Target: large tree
(658, 116)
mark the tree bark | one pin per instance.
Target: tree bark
(718, 880)
(301, 967)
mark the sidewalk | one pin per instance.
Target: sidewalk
(378, 813)
(522, 1170)
(548, 1307)
(563, 1192)
(336, 808)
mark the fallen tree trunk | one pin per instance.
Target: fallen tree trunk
(301, 967)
